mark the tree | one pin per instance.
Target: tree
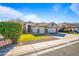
(11, 30)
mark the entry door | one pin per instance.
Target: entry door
(29, 28)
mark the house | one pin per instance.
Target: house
(38, 28)
(75, 27)
(71, 27)
(41, 28)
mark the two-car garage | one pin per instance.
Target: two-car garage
(40, 30)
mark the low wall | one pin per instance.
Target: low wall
(3, 43)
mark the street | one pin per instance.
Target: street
(72, 50)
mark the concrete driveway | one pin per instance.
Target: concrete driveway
(57, 35)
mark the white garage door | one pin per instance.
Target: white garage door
(41, 30)
(51, 30)
(34, 30)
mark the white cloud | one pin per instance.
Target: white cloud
(33, 18)
(75, 8)
(56, 7)
(9, 13)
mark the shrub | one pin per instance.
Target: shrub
(11, 30)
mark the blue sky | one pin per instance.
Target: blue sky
(40, 12)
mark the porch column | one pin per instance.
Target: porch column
(56, 30)
(46, 30)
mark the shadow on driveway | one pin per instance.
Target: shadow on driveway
(5, 49)
(57, 34)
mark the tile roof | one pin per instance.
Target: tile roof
(43, 24)
(69, 24)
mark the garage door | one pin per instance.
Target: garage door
(34, 30)
(41, 30)
(51, 30)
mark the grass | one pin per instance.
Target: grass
(76, 34)
(30, 37)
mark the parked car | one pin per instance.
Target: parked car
(76, 31)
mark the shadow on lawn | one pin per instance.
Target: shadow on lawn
(5, 49)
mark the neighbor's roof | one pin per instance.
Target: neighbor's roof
(69, 24)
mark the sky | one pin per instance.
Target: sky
(40, 12)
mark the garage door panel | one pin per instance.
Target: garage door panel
(41, 30)
(51, 30)
(34, 30)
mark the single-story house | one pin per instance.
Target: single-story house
(72, 27)
(41, 28)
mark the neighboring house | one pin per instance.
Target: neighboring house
(71, 27)
(41, 28)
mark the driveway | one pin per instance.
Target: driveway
(72, 50)
(57, 35)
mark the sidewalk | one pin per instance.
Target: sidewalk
(33, 48)
(70, 50)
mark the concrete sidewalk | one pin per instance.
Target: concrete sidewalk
(33, 48)
(67, 50)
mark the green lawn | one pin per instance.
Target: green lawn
(30, 37)
(76, 34)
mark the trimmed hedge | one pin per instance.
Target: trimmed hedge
(11, 30)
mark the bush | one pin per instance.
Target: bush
(11, 30)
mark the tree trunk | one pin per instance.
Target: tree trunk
(14, 41)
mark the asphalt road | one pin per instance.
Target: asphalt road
(72, 50)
